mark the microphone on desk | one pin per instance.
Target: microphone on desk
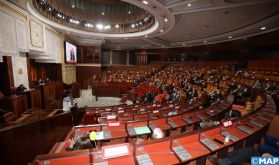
(92, 137)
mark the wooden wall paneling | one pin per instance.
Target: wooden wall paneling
(22, 143)
(15, 103)
(84, 74)
(88, 54)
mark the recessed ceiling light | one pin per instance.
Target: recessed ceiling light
(73, 6)
(117, 26)
(166, 20)
(263, 28)
(162, 30)
(145, 2)
(189, 4)
(133, 25)
(103, 13)
(230, 37)
(129, 12)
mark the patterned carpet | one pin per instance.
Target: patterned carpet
(87, 99)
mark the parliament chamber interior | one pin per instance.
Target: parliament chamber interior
(144, 82)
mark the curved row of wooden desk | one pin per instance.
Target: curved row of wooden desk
(182, 148)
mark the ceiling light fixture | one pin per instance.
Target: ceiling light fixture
(133, 25)
(73, 6)
(107, 27)
(166, 20)
(189, 4)
(129, 12)
(162, 30)
(145, 2)
(103, 13)
(116, 26)
(263, 28)
(100, 26)
(89, 25)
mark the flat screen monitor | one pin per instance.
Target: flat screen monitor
(70, 53)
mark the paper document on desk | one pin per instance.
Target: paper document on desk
(100, 135)
(142, 130)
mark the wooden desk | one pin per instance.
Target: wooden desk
(208, 137)
(133, 125)
(116, 131)
(202, 115)
(192, 146)
(34, 98)
(177, 122)
(79, 157)
(158, 152)
(211, 135)
(15, 103)
(141, 117)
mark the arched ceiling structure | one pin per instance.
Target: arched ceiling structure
(183, 23)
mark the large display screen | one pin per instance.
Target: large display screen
(70, 53)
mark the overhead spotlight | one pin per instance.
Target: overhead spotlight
(166, 20)
(230, 37)
(189, 4)
(129, 12)
(133, 25)
(100, 26)
(145, 2)
(73, 6)
(103, 13)
(162, 30)
(77, 22)
(263, 28)
(116, 26)
(107, 27)
(89, 25)
(140, 23)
